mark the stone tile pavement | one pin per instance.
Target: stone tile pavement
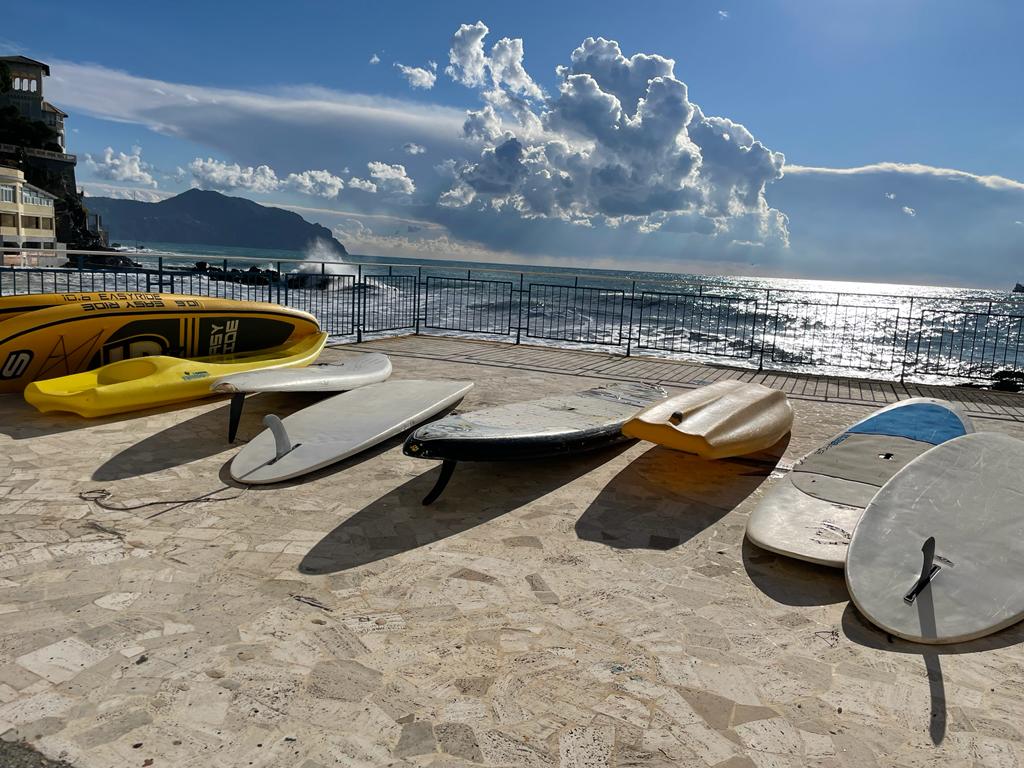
(601, 610)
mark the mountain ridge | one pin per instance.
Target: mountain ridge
(204, 217)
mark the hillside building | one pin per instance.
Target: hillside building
(27, 222)
(41, 156)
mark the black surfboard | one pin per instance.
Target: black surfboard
(537, 429)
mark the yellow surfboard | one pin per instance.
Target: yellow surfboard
(74, 337)
(149, 382)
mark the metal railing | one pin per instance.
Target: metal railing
(879, 335)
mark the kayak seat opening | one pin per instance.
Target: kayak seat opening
(126, 370)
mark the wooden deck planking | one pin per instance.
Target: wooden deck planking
(687, 373)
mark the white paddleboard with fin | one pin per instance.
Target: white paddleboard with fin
(938, 556)
(341, 426)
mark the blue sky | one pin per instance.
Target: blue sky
(900, 124)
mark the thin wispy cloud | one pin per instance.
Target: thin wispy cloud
(723, 15)
(120, 192)
(912, 169)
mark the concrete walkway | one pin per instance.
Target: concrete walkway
(599, 610)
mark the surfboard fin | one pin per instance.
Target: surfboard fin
(235, 415)
(282, 445)
(447, 468)
(928, 571)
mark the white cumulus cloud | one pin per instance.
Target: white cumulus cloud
(412, 148)
(723, 15)
(210, 173)
(418, 77)
(375, 59)
(890, 195)
(621, 142)
(362, 184)
(470, 64)
(217, 174)
(118, 166)
(908, 210)
(391, 178)
(316, 183)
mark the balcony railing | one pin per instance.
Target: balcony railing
(46, 153)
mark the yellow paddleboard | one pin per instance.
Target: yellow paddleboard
(13, 306)
(148, 382)
(79, 336)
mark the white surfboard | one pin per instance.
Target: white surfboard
(938, 556)
(326, 377)
(341, 426)
(811, 513)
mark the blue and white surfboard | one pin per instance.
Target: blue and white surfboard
(811, 513)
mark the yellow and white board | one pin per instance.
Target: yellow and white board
(83, 335)
(149, 382)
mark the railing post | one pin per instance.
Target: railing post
(361, 304)
(279, 286)
(764, 327)
(629, 332)
(906, 340)
(519, 324)
(416, 297)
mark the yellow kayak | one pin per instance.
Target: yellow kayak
(81, 335)
(149, 382)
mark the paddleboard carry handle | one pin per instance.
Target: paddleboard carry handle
(928, 571)
(447, 468)
(235, 414)
(282, 445)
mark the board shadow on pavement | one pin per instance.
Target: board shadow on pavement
(479, 492)
(857, 629)
(664, 498)
(197, 438)
(860, 631)
(20, 421)
(790, 581)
